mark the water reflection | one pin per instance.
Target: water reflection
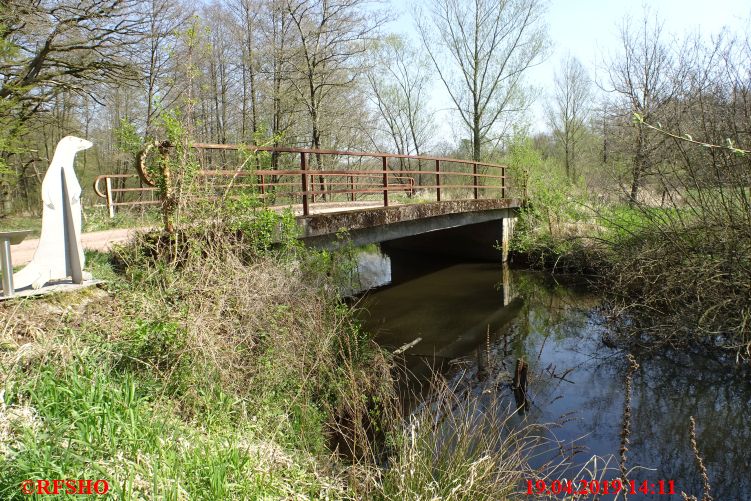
(467, 315)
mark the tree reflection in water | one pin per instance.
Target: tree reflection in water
(463, 313)
(562, 333)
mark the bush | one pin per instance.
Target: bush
(555, 226)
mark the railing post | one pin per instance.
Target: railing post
(474, 177)
(352, 188)
(263, 184)
(438, 180)
(384, 164)
(110, 202)
(304, 178)
(503, 182)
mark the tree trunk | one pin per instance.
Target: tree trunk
(476, 139)
(638, 170)
(317, 145)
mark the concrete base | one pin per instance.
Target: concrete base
(66, 285)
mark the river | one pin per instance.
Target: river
(474, 320)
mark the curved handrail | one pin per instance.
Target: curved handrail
(99, 178)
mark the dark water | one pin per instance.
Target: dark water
(470, 313)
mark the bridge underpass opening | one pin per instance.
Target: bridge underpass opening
(477, 242)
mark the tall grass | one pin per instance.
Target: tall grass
(457, 447)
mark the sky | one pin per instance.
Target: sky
(588, 30)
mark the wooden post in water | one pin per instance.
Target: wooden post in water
(520, 385)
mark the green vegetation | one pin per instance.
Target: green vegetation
(18, 222)
(556, 216)
(487, 458)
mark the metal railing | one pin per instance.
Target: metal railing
(336, 176)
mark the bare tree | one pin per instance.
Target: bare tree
(333, 35)
(643, 80)
(68, 45)
(48, 48)
(221, 58)
(163, 19)
(481, 50)
(399, 84)
(247, 13)
(568, 112)
(278, 39)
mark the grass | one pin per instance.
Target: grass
(457, 447)
(19, 222)
(97, 219)
(91, 423)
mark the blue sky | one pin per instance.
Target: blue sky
(588, 29)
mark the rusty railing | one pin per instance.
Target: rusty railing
(320, 177)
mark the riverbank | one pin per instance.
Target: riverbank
(676, 276)
(220, 368)
(215, 377)
(475, 321)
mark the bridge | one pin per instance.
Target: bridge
(427, 203)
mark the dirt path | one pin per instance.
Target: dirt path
(103, 240)
(96, 240)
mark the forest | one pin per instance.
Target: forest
(331, 75)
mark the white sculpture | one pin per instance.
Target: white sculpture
(59, 254)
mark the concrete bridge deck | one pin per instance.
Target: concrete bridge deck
(381, 224)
